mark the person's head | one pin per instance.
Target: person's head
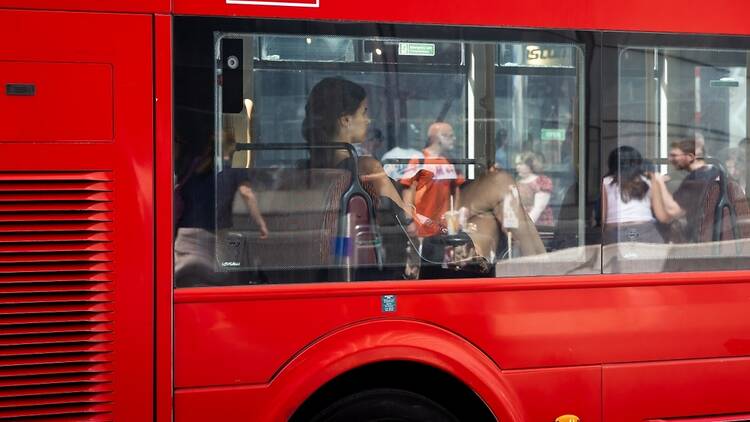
(528, 163)
(626, 167)
(336, 110)
(440, 136)
(625, 160)
(682, 154)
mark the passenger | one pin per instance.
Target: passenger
(336, 111)
(627, 205)
(501, 153)
(201, 215)
(535, 189)
(430, 182)
(734, 161)
(689, 199)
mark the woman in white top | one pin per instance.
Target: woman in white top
(627, 209)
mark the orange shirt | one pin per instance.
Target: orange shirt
(436, 180)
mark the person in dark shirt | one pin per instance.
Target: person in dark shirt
(689, 198)
(198, 193)
(203, 204)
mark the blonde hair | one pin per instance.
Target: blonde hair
(531, 159)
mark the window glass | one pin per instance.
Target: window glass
(304, 158)
(306, 49)
(675, 180)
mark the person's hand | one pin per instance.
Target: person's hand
(655, 177)
(263, 230)
(411, 229)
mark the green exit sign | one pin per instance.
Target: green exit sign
(553, 134)
(416, 49)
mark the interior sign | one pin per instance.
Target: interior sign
(416, 49)
(284, 3)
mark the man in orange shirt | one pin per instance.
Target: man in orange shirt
(429, 183)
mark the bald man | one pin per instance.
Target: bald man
(429, 183)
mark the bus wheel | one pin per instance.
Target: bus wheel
(384, 404)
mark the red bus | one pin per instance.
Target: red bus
(178, 243)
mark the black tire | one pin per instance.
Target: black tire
(385, 405)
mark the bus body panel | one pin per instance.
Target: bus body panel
(107, 59)
(719, 17)
(351, 347)
(698, 387)
(561, 330)
(164, 174)
(129, 6)
(585, 333)
(550, 392)
(518, 328)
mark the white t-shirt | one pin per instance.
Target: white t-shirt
(396, 171)
(633, 211)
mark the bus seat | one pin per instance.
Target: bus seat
(731, 228)
(308, 228)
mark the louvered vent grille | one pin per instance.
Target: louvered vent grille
(56, 296)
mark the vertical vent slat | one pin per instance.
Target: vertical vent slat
(56, 295)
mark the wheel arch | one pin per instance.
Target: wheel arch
(389, 345)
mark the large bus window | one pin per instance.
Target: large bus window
(675, 197)
(457, 159)
(538, 112)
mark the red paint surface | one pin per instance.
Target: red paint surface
(163, 208)
(666, 390)
(122, 43)
(90, 5)
(517, 323)
(693, 16)
(529, 347)
(72, 102)
(348, 348)
(546, 394)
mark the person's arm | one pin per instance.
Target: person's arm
(541, 197)
(408, 195)
(664, 206)
(372, 171)
(247, 194)
(541, 200)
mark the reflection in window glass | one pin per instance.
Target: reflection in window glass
(675, 198)
(306, 49)
(379, 159)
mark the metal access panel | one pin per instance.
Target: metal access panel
(76, 216)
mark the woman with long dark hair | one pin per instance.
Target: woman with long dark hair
(337, 111)
(627, 207)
